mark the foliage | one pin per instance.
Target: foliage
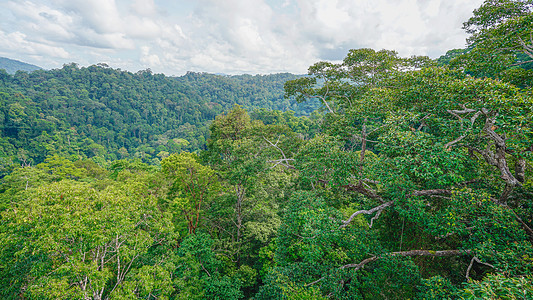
(69, 240)
(500, 41)
(412, 182)
(114, 114)
(498, 286)
(193, 187)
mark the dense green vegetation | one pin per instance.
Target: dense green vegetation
(415, 181)
(111, 114)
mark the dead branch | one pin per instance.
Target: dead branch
(282, 162)
(440, 237)
(528, 50)
(322, 98)
(472, 121)
(370, 193)
(498, 158)
(422, 122)
(528, 229)
(521, 63)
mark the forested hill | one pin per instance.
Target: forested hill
(114, 114)
(12, 66)
(415, 182)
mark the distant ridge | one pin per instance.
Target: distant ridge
(12, 66)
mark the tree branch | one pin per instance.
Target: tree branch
(472, 263)
(283, 161)
(431, 192)
(410, 253)
(472, 121)
(365, 191)
(377, 209)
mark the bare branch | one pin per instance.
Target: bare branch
(498, 158)
(472, 263)
(451, 233)
(363, 139)
(378, 128)
(323, 98)
(422, 123)
(377, 209)
(521, 63)
(456, 112)
(282, 161)
(410, 253)
(528, 50)
(528, 229)
(365, 191)
(472, 121)
(370, 181)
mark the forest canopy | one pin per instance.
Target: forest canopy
(399, 178)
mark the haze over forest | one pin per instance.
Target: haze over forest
(377, 175)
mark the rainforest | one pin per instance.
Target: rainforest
(374, 177)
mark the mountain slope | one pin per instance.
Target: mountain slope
(12, 66)
(110, 113)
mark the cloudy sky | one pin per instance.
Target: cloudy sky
(224, 36)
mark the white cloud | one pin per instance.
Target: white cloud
(231, 36)
(101, 16)
(17, 42)
(149, 59)
(144, 8)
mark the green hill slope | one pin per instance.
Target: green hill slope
(12, 66)
(100, 111)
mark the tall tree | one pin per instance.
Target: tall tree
(193, 187)
(500, 44)
(437, 165)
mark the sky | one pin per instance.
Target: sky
(224, 36)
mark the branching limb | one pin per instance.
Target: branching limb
(472, 121)
(472, 263)
(376, 210)
(528, 229)
(283, 161)
(431, 192)
(521, 63)
(451, 233)
(528, 50)
(410, 253)
(422, 122)
(498, 158)
(322, 98)
(370, 193)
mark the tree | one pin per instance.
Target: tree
(69, 240)
(200, 272)
(500, 44)
(433, 156)
(193, 186)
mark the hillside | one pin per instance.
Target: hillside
(412, 180)
(114, 114)
(12, 66)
